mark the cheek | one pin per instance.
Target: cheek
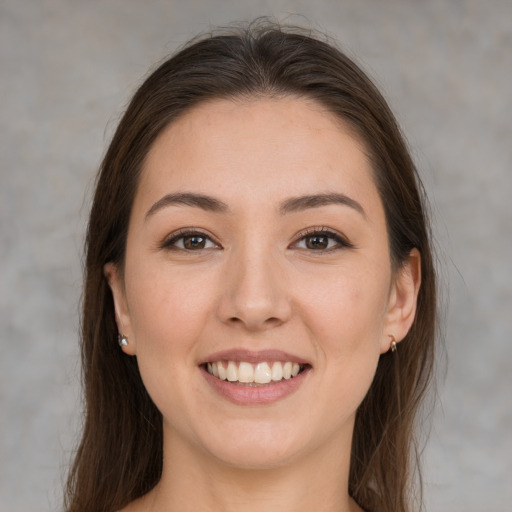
(168, 313)
(347, 323)
(167, 309)
(343, 315)
(349, 301)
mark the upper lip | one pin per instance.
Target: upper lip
(249, 356)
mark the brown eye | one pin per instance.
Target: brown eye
(317, 242)
(321, 240)
(194, 242)
(190, 241)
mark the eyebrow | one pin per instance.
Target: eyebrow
(294, 204)
(207, 203)
(300, 203)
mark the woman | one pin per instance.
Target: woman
(259, 305)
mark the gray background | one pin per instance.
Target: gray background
(67, 69)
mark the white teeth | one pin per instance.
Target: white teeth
(277, 371)
(245, 372)
(221, 371)
(287, 370)
(261, 373)
(232, 372)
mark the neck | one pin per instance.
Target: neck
(195, 482)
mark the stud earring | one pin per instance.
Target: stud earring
(393, 343)
(122, 340)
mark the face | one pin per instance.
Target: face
(257, 291)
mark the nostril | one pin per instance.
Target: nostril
(269, 322)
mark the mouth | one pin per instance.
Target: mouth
(250, 374)
(246, 377)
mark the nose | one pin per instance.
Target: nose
(254, 292)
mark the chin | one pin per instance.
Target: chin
(257, 446)
(257, 456)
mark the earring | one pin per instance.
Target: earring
(122, 340)
(393, 343)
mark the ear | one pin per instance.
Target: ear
(115, 281)
(402, 301)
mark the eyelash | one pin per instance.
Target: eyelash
(170, 243)
(340, 241)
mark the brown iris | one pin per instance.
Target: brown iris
(317, 242)
(194, 242)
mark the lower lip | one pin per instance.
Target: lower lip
(263, 394)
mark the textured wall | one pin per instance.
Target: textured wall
(66, 70)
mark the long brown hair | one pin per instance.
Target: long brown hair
(120, 455)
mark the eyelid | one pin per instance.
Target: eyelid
(169, 241)
(341, 240)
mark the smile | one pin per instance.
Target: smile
(246, 373)
(251, 378)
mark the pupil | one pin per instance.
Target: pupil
(317, 242)
(194, 242)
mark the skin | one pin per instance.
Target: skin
(257, 284)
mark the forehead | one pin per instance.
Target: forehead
(235, 148)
